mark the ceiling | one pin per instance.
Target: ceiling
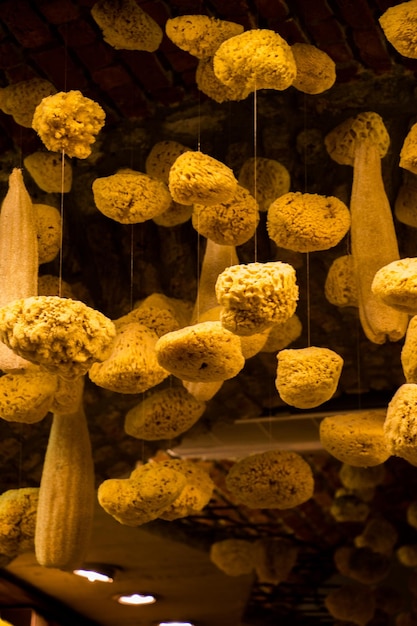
(149, 97)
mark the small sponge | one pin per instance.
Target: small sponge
(234, 557)
(27, 396)
(399, 25)
(316, 71)
(409, 352)
(340, 287)
(21, 99)
(46, 170)
(400, 425)
(266, 179)
(408, 154)
(209, 84)
(396, 285)
(200, 35)
(307, 377)
(49, 227)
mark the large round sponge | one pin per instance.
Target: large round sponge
(400, 424)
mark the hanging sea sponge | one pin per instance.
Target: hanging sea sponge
(412, 514)
(378, 535)
(49, 228)
(275, 479)
(400, 425)
(68, 122)
(234, 557)
(257, 59)
(316, 71)
(266, 179)
(163, 415)
(17, 520)
(407, 555)
(256, 296)
(200, 35)
(307, 222)
(274, 559)
(21, 99)
(174, 215)
(26, 396)
(132, 366)
(409, 352)
(356, 438)
(126, 26)
(408, 154)
(406, 201)
(354, 477)
(196, 494)
(399, 26)
(362, 564)
(307, 377)
(46, 170)
(395, 284)
(212, 353)
(352, 602)
(230, 223)
(280, 336)
(349, 508)
(209, 84)
(63, 336)
(341, 287)
(157, 312)
(162, 157)
(199, 178)
(130, 197)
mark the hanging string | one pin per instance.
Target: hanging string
(307, 254)
(132, 264)
(61, 240)
(255, 156)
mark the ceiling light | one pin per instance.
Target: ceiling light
(97, 572)
(175, 624)
(135, 599)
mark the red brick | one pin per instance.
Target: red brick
(312, 11)
(111, 76)
(60, 69)
(356, 13)
(181, 61)
(167, 97)
(340, 52)
(187, 7)
(147, 68)
(291, 32)
(157, 10)
(20, 72)
(78, 33)
(277, 10)
(327, 31)
(385, 4)
(130, 101)
(29, 30)
(372, 50)
(10, 55)
(96, 55)
(59, 11)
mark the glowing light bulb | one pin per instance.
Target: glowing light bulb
(93, 576)
(136, 599)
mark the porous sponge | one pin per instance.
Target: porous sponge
(26, 396)
(21, 99)
(399, 25)
(163, 415)
(49, 227)
(204, 352)
(356, 438)
(280, 336)
(234, 557)
(400, 424)
(408, 154)
(341, 142)
(196, 494)
(46, 170)
(68, 122)
(132, 366)
(307, 377)
(209, 84)
(158, 312)
(230, 223)
(196, 177)
(162, 157)
(274, 558)
(316, 71)
(62, 335)
(256, 295)
(257, 59)
(200, 35)
(266, 179)
(340, 287)
(396, 285)
(307, 222)
(17, 520)
(378, 535)
(409, 352)
(275, 479)
(352, 602)
(126, 26)
(355, 478)
(130, 197)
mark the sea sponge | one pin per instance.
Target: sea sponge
(26, 396)
(204, 352)
(162, 157)
(307, 377)
(132, 366)
(279, 336)
(399, 25)
(408, 154)
(274, 558)
(49, 228)
(352, 602)
(230, 223)
(200, 35)
(354, 477)
(307, 222)
(395, 284)
(46, 169)
(130, 197)
(21, 99)
(196, 494)
(256, 296)
(157, 312)
(340, 287)
(349, 508)
(378, 535)
(163, 415)
(209, 84)
(276, 479)
(68, 122)
(234, 557)
(17, 520)
(364, 565)
(196, 177)
(316, 71)
(257, 59)
(126, 26)
(341, 143)
(405, 206)
(407, 555)
(409, 352)
(357, 439)
(400, 424)
(62, 335)
(412, 514)
(174, 215)
(266, 179)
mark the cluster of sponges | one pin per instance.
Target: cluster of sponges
(68, 122)
(271, 559)
(167, 490)
(17, 522)
(273, 479)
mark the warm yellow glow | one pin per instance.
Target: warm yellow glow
(136, 599)
(93, 576)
